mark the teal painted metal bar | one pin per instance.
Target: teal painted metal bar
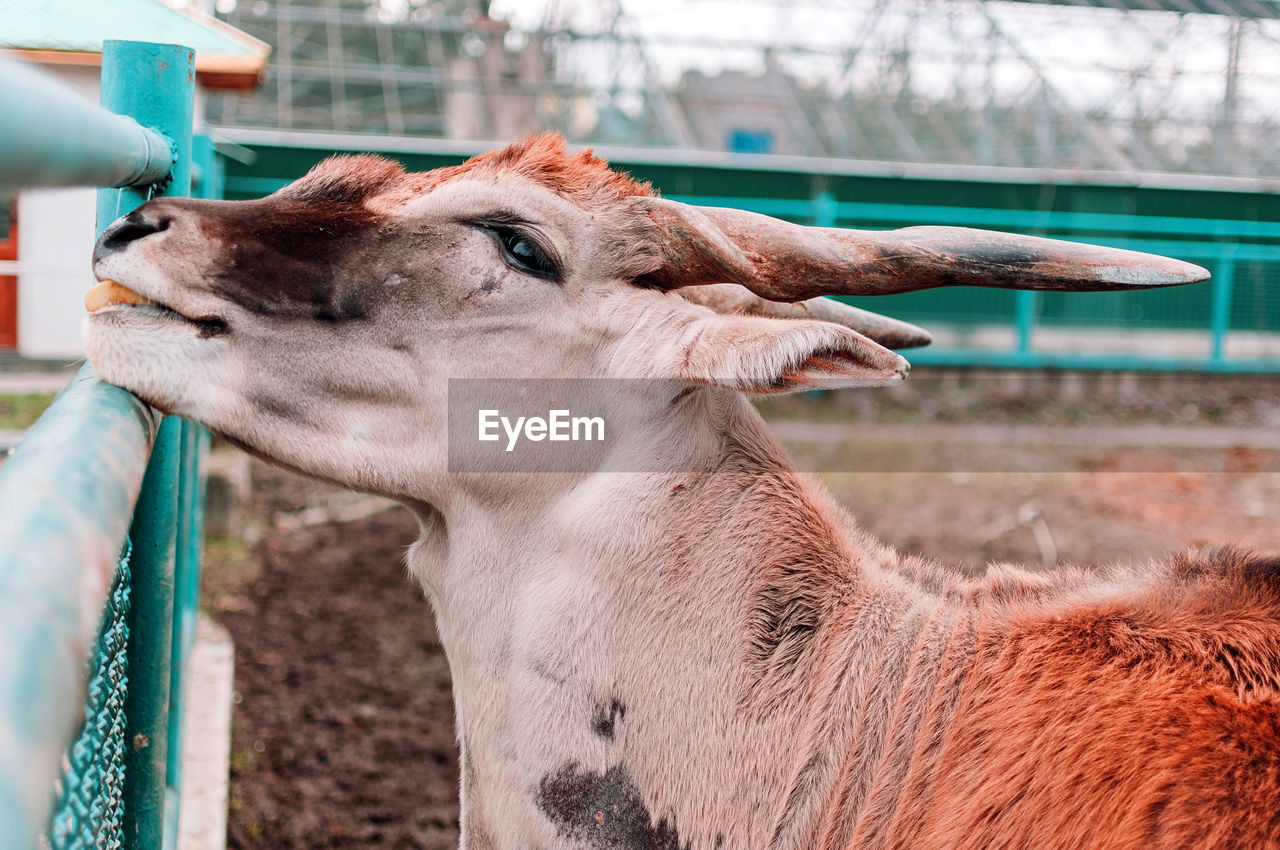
(65, 499)
(824, 210)
(208, 177)
(186, 593)
(1010, 359)
(1058, 220)
(255, 185)
(1195, 250)
(190, 536)
(1220, 317)
(1024, 316)
(51, 136)
(155, 83)
(1022, 221)
(154, 535)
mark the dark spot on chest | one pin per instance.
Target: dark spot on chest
(603, 811)
(605, 718)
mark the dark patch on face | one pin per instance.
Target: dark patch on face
(605, 718)
(492, 284)
(294, 259)
(343, 307)
(304, 253)
(604, 811)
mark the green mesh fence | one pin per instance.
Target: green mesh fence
(90, 806)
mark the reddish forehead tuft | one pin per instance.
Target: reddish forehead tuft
(581, 177)
(345, 179)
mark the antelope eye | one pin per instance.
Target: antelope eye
(524, 253)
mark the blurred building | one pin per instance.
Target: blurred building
(1107, 85)
(46, 235)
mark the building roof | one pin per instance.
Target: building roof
(72, 32)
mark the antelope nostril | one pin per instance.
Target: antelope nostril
(129, 228)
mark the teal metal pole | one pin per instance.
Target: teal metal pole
(65, 498)
(154, 534)
(825, 209)
(186, 587)
(1220, 316)
(186, 597)
(155, 83)
(1025, 304)
(209, 167)
(51, 136)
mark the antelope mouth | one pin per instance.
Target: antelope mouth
(113, 294)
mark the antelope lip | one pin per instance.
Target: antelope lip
(111, 293)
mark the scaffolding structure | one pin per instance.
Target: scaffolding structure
(1099, 85)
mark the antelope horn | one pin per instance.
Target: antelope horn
(733, 299)
(781, 261)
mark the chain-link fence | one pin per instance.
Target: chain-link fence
(90, 808)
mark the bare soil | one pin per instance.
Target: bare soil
(344, 732)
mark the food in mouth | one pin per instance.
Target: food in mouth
(108, 293)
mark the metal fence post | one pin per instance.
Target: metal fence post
(1025, 306)
(186, 594)
(1220, 315)
(825, 209)
(155, 83)
(154, 535)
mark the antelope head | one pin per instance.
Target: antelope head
(319, 326)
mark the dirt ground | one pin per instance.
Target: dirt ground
(343, 725)
(343, 732)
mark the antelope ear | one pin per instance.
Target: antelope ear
(767, 356)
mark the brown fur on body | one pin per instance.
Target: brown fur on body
(1150, 720)
(1126, 708)
(710, 655)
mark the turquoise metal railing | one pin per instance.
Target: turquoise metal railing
(100, 473)
(50, 139)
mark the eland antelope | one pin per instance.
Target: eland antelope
(707, 652)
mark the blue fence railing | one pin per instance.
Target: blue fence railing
(99, 506)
